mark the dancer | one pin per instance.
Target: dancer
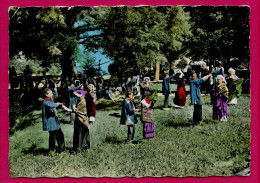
(220, 99)
(147, 119)
(196, 99)
(235, 86)
(81, 140)
(51, 122)
(91, 98)
(128, 116)
(166, 89)
(180, 95)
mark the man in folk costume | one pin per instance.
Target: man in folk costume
(180, 95)
(51, 122)
(91, 98)
(81, 138)
(220, 99)
(166, 89)
(196, 99)
(128, 115)
(147, 119)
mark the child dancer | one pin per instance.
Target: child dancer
(220, 98)
(51, 121)
(147, 119)
(128, 115)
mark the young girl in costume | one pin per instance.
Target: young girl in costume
(147, 119)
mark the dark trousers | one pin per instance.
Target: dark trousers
(57, 134)
(81, 138)
(166, 101)
(197, 114)
(131, 132)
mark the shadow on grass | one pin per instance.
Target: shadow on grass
(117, 115)
(176, 122)
(36, 150)
(43, 151)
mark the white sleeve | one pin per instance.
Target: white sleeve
(66, 108)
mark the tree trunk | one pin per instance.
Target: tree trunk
(157, 71)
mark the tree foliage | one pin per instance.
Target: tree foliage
(220, 33)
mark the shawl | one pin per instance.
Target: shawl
(81, 112)
(238, 90)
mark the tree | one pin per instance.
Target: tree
(139, 37)
(45, 34)
(220, 33)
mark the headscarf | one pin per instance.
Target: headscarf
(223, 78)
(79, 93)
(231, 69)
(92, 86)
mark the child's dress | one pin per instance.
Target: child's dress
(147, 119)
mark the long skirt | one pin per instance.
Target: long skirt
(148, 130)
(81, 138)
(219, 108)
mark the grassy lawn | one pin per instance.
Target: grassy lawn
(178, 149)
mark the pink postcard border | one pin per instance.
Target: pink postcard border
(255, 90)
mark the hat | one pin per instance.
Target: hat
(79, 93)
(146, 102)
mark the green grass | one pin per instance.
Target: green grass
(178, 149)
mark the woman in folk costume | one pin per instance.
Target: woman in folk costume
(81, 127)
(91, 98)
(128, 115)
(147, 91)
(235, 86)
(146, 87)
(220, 99)
(147, 119)
(180, 95)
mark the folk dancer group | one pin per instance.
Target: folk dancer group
(83, 110)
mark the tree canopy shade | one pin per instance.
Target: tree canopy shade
(134, 38)
(44, 34)
(220, 33)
